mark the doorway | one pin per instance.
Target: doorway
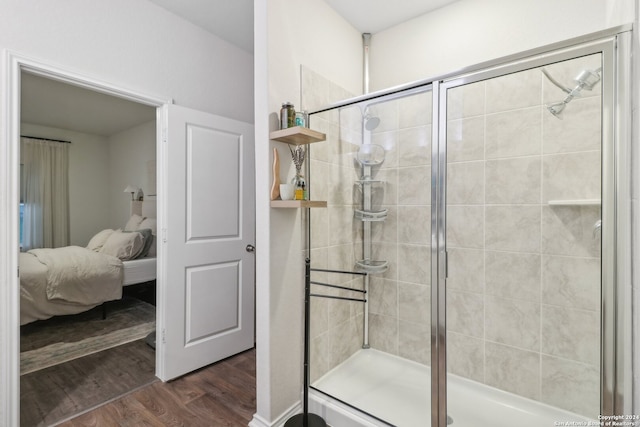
(19, 67)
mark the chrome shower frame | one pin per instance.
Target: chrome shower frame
(615, 47)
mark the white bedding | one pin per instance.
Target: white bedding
(66, 280)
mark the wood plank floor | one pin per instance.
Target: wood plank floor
(53, 394)
(222, 394)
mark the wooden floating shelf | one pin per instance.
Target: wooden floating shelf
(297, 135)
(298, 204)
(579, 202)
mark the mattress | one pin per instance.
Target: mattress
(139, 271)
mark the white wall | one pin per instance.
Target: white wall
(132, 44)
(88, 180)
(129, 153)
(287, 36)
(450, 38)
(472, 31)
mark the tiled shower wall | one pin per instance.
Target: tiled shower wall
(523, 296)
(523, 291)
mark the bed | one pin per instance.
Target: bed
(74, 279)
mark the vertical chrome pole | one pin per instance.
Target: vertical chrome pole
(365, 340)
(366, 44)
(438, 261)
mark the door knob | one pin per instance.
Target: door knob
(250, 248)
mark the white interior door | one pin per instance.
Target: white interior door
(206, 302)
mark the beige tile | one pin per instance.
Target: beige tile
(383, 333)
(414, 224)
(571, 333)
(342, 225)
(341, 257)
(513, 228)
(465, 356)
(318, 357)
(389, 114)
(513, 275)
(320, 231)
(465, 226)
(513, 91)
(466, 270)
(344, 340)
(414, 342)
(466, 101)
(465, 139)
(319, 316)
(571, 282)
(513, 181)
(465, 313)
(571, 176)
(414, 264)
(514, 133)
(387, 230)
(568, 230)
(578, 130)
(414, 146)
(383, 297)
(465, 183)
(414, 185)
(414, 302)
(415, 110)
(513, 370)
(571, 386)
(337, 184)
(513, 322)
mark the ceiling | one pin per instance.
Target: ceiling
(51, 103)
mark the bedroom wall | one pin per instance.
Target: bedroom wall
(88, 180)
(131, 44)
(129, 153)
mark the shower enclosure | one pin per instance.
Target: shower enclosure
(492, 208)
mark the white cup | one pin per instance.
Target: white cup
(286, 191)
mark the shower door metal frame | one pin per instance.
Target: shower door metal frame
(615, 215)
(615, 46)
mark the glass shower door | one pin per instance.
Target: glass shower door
(523, 241)
(374, 170)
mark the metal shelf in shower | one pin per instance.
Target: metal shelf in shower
(380, 215)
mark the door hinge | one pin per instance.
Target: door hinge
(18, 271)
(164, 337)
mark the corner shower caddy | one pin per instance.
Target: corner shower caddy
(298, 135)
(369, 155)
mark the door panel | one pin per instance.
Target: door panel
(208, 298)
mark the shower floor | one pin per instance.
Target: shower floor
(397, 391)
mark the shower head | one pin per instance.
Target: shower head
(586, 79)
(371, 122)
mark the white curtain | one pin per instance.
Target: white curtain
(45, 172)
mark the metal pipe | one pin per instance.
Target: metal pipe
(365, 320)
(366, 44)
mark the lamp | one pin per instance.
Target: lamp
(131, 189)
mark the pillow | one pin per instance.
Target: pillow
(153, 249)
(133, 223)
(147, 235)
(150, 223)
(123, 245)
(97, 242)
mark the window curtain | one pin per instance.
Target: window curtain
(46, 193)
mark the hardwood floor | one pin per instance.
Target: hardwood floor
(223, 394)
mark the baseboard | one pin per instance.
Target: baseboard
(259, 421)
